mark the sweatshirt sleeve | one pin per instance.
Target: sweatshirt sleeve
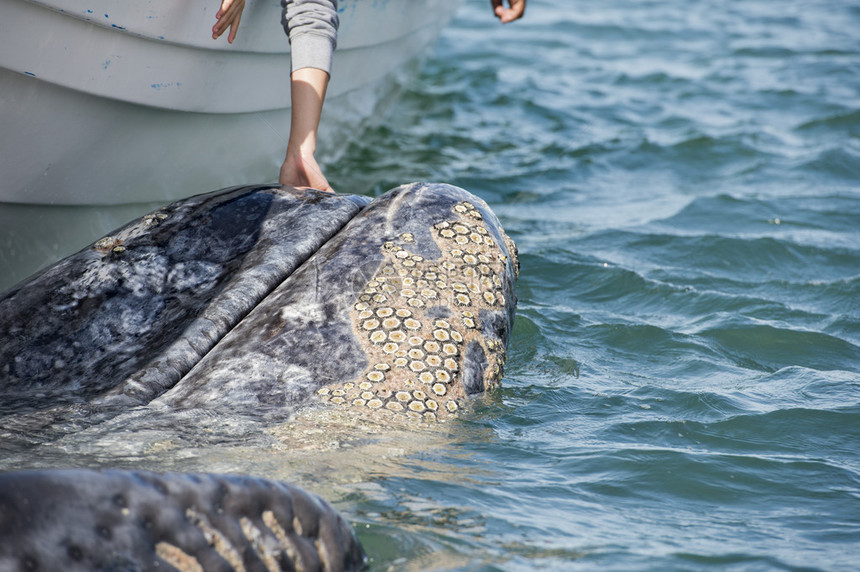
(312, 28)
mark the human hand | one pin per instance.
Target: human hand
(515, 12)
(301, 170)
(228, 16)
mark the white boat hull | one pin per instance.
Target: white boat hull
(136, 103)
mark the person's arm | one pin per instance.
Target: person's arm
(515, 12)
(312, 28)
(300, 169)
(228, 16)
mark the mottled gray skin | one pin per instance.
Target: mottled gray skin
(83, 520)
(118, 323)
(300, 338)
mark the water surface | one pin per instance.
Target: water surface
(683, 391)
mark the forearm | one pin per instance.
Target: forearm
(308, 87)
(312, 28)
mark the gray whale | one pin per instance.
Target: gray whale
(260, 299)
(266, 299)
(112, 521)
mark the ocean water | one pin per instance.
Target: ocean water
(682, 179)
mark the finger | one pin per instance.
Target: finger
(515, 12)
(234, 29)
(223, 17)
(497, 7)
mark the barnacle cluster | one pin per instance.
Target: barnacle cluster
(415, 318)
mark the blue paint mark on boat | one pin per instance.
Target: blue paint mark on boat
(30, 74)
(117, 27)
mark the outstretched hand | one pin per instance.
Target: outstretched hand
(301, 170)
(228, 16)
(515, 12)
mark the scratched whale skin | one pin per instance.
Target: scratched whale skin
(85, 520)
(267, 299)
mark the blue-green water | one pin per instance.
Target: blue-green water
(683, 391)
(682, 178)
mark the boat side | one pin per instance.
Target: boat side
(133, 110)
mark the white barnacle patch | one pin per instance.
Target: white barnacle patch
(424, 347)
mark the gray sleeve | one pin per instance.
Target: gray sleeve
(312, 28)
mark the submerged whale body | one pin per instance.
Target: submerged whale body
(137, 521)
(266, 298)
(259, 299)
